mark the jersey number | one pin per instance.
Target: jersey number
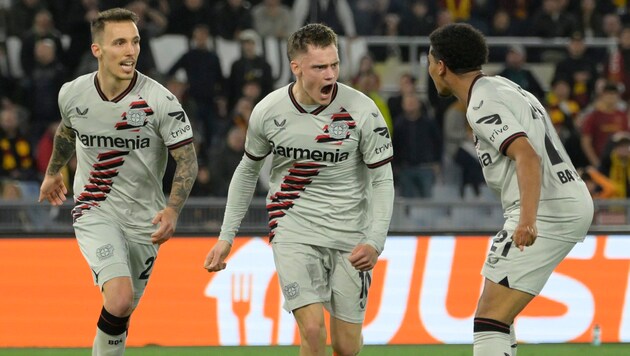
(366, 280)
(501, 236)
(147, 272)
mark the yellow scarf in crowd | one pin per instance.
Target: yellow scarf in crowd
(619, 173)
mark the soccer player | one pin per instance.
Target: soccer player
(547, 207)
(330, 197)
(121, 125)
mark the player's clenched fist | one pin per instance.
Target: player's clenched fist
(216, 257)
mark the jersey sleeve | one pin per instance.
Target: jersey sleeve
(376, 142)
(257, 145)
(495, 123)
(175, 127)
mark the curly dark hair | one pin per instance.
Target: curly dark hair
(314, 34)
(460, 46)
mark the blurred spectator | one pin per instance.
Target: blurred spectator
(43, 28)
(454, 130)
(242, 112)
(475, 12)
(515, 70)
(521, 12)
(598, 184)
(618, 64)
(42, 85)
(369, 84)
(225, 160)
(43, 152)
(366, 65)
(252, 90)
(231, 17)
(205, 81)
(616, 163)
(467, 160)
(271, 18)
(589, 19)
(563, 112)
(551, 20)
(417, 20)
(611, 25)
(187, 14)
(249, 67)
(337, 14)
(601, 123)
(406, 85)
(22, 14)
(454, 133)
(78, 20)
(579, 70)
(18, 175)
(151, 23)
(389, 27)
(369, 13)
(8, 84)
(417, 161)
(501, 26)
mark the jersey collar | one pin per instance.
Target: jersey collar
(317, 110)
(472, 85)
(121, 95)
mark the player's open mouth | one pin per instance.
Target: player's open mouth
(127, 65)
(327, 89)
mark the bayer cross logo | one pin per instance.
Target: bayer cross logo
(104, 252)
(136, 117)
(338, 129)
(291, 291)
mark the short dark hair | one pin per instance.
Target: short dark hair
(314, 34)
(112, 15)
(460, 46)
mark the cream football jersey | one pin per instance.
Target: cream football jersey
(499, 111)
(122, 147)
(319, 186)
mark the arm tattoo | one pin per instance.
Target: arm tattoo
(185, 175)
(63, 149)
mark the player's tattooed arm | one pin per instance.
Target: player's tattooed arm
(63, 149)
(185, 175)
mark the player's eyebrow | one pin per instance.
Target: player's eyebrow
(323, 65)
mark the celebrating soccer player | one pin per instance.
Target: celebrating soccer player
(122, 123)
(547, 207)
(331, 150)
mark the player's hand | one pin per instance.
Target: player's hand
(524, 235)
(363, 257)
(215, 261)
(167, 218)
(53, 189)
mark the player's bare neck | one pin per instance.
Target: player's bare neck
(112, 87)
(464, 85)
(302, 96)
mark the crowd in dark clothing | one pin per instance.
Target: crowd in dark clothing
(55, 48)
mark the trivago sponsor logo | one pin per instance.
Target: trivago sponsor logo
(424, 289)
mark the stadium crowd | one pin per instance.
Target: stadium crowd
(586, 97)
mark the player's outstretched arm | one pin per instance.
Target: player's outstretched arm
(183, 180)
(53, 189)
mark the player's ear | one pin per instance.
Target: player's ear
(96, 50)
(441, 67)
(295, 68)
